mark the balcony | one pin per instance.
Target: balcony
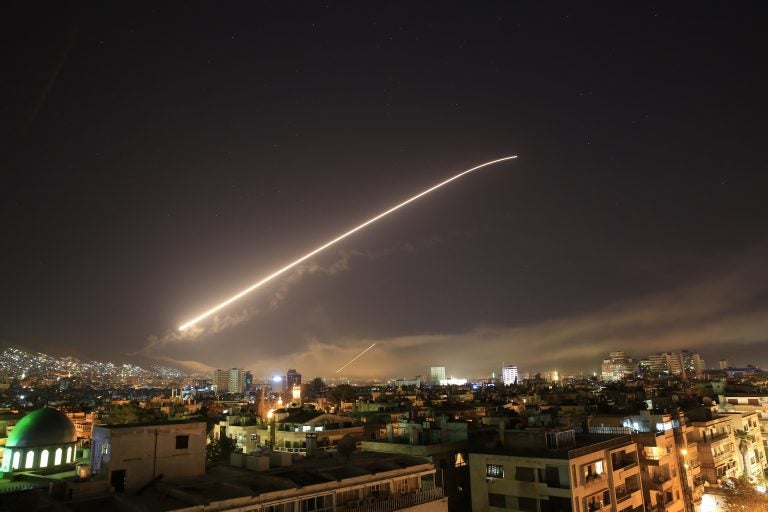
(717, 459)
(624, 464)
(595, 481)
(715, 438)
(394, 502)
(624, 496)
(661, 482)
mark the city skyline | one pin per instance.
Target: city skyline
(158, 160)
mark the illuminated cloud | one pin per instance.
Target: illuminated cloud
(724, 315)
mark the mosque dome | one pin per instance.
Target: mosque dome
(43, 427)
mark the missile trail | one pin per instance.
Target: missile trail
(356, 358)
(334, 241)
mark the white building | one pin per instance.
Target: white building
(617, 366)
(509, 375)
(42, 439)
(132, 455)
(436, 374)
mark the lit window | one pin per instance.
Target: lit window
(16, 460)
(30, 460)
(599, 467)
(69, 455)
(494, 471)
(57, 457)
(459, 462)
(44, 458)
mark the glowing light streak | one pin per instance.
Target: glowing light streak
(339, 238)
(358, 356)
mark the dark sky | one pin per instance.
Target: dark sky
(158, 159)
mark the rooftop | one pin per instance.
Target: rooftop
(585, 443)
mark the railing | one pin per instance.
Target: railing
(596, 447)
(624, 464)
(394, 502)
(715, 438)
(16, 487)
(659, 482)
(721, 457)
(595, 480)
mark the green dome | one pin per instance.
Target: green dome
(43, 427)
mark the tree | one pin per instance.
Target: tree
(130, 412)
(219, 450)
(347, 446)
(744, 497)
(316, 387)
(342, 393)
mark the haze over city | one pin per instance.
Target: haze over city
(158, 160)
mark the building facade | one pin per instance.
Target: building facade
(436, 374)
(130, 456)
(716, 444)
(617, 366)
(229, 381)
(538, 470)
(510, 375)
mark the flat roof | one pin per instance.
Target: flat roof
(149, 424)
(584, 444)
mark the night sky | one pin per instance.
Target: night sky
(158, 159)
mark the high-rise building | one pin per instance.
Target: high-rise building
(724, 363)
(292, 378)
(617, 366)
(229, 381)
(509, 375)
(221, 380)
(236, 380)
(248, 382)
(436, 374)
(668, 363)
(693, 364)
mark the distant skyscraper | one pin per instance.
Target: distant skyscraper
(236, 380)
(617, 366)
(221, 380)
(436, 374)
(667, 363)
(693, 364)
(229, 381)
(724, 364)
(292, 378)
(248, 382)
(509, 375)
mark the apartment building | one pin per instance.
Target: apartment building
(551, 470)
(749, 445)
(663, 447)
(750, 403)
(716, 443)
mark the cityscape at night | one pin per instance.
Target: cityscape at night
(368, 257)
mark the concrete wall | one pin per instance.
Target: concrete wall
(144, 452)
